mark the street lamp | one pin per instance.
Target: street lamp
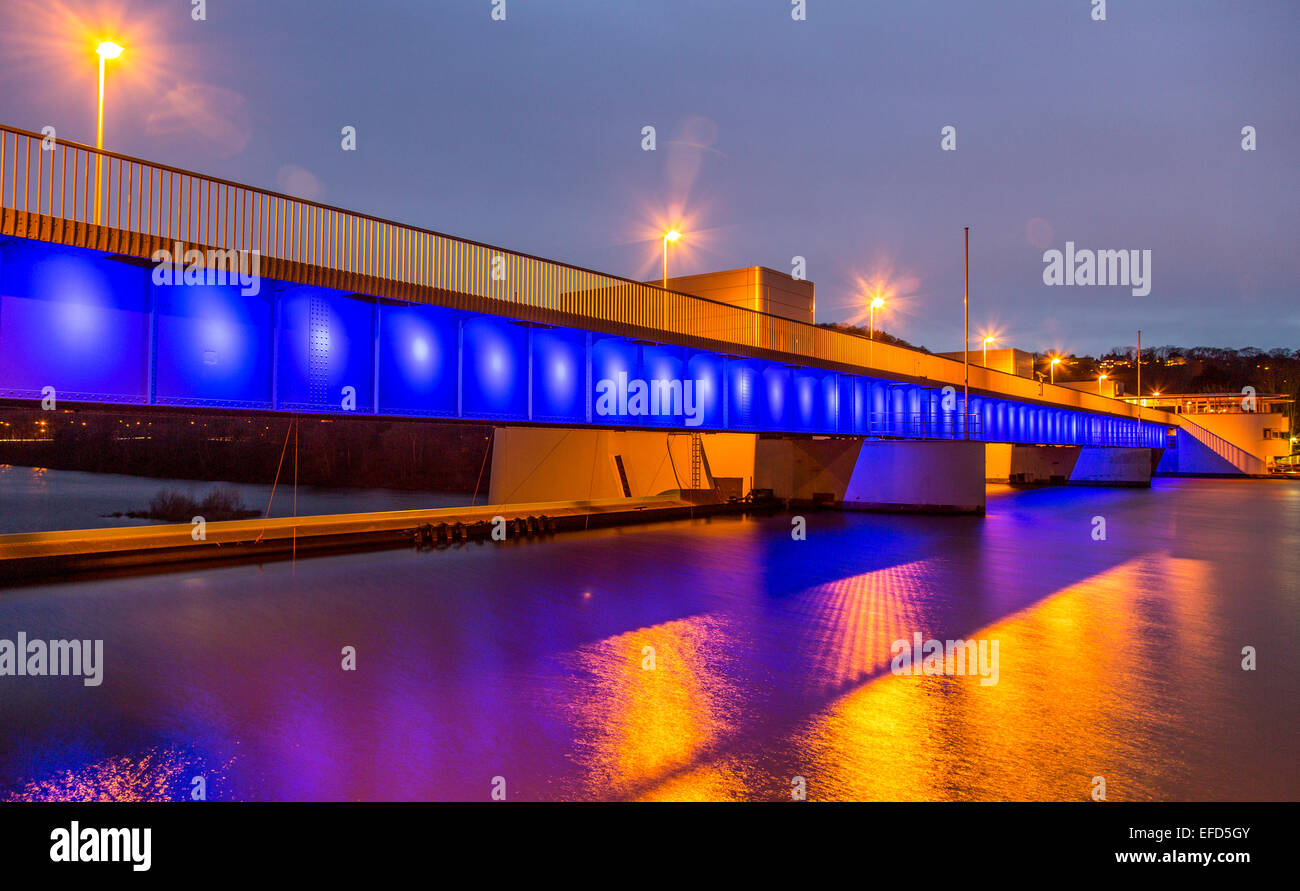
(1056, 360)
(987, 340)
(670, 235)
(876, 303)
(1099, 380)
(106, 50)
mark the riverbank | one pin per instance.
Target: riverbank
(40, 555)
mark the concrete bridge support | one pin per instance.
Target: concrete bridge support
(1029, 464)
(1075, 465)
(1115, 466)
(936, 476)
(534, 464)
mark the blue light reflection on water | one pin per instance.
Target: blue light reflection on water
(1119, 658)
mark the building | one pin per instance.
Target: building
(754, 287)
(1226, 433)
(1010, 360)
(1107, 386)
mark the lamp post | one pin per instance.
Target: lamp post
(965, 334)
(1056, 360)
(987, 340)
(1139, 386)
(670, 235)
(876, 302)
(1099, 380)
(106, 50)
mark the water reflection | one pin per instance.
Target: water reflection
(1119, 659)
(155, 774)
(652, 701)
(848, 626)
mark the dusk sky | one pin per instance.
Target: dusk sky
(776, 138)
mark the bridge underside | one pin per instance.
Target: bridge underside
(90, 327)
(1078, 465)
(857, 473)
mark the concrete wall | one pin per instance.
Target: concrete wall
(1109, 466)
(730, 457)
(1246, 430)
(535, 464)
(1008, 463)
(892, 475)
(1207, 454)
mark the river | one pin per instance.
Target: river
(715, 659)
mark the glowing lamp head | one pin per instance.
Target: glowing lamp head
(672, 235)
(989, 339)
(1103, 377)
(1056, 360)
(877, 302)
(109, 50)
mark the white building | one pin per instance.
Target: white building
(1225, 433)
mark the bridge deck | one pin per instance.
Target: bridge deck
(132, 207)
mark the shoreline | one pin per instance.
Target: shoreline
(35, 557)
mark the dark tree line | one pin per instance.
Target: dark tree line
(1172, 369)
(880, 336)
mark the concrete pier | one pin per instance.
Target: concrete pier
(1029, 464)
(536, 464)
(932, 476)
(1046, 465)
(1115, 466)
(559, 464)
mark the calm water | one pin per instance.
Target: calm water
(1118, 658)
(37, 499)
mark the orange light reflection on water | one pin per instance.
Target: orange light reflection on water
(1077, 698)
(1082, 692)
(639, 725)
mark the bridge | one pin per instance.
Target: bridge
(126, 282)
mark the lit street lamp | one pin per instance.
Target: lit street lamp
(987, 340)
(1056, 360)
(876, 302)
(670, 235)
(1099, 380)
(106, 50)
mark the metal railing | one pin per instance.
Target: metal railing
(132, 206)
(923, 425)
(64, 182)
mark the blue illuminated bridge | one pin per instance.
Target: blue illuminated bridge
(339, 312)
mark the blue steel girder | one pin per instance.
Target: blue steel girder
(99, 328)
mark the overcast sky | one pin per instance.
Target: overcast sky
(776, 138)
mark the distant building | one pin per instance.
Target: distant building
(1225, 433)
(1108, 386)
(755, 287)
(1010, 360)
